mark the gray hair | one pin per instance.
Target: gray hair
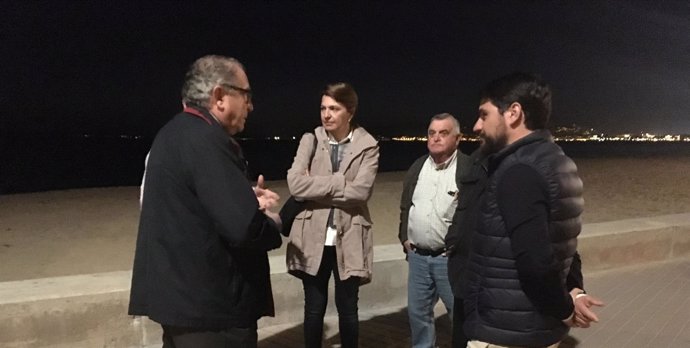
(445, 115)
(206, 73)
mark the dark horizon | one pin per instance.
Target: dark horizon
(58, 164)
(103, 68)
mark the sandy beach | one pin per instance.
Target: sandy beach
(69, 232)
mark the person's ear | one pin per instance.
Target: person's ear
(217, 95)
(514, 114)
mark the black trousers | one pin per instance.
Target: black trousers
(316, 299)
(185, 337)
(459, 338)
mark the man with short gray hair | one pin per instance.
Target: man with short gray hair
(201, 266)
(427, 205)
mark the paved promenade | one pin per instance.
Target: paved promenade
(646, 306)
(65, 278)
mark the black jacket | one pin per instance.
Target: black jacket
(497, 309)
(201, 256)
(459, 237)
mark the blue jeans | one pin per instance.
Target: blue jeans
(427, 282)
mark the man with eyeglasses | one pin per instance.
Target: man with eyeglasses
(201, 266)
(429, 197)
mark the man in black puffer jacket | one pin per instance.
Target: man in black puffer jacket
(458, 243)
(527, 225)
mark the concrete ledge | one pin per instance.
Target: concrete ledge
(90, 310)
(614, 244)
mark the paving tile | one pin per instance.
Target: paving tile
(646, 306)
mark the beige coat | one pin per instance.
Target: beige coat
(348, 190)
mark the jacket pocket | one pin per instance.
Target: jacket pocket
(302, 222)
(367, 244)
(358, 245)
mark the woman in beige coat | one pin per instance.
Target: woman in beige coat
(333, 234)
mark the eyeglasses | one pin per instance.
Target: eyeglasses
(246, 91)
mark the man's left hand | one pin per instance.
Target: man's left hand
(584, 316)
(267, 198)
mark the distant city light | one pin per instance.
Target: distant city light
(574, 133)
(561, 133)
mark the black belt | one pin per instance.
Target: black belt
(427, 252)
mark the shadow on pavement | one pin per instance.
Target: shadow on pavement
(382, 331)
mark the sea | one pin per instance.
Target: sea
(59, 163)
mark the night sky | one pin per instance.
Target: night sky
(117, 67)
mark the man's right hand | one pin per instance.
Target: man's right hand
(275, 217)
(409, 247)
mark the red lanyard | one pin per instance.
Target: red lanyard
(235, 147)
(197, 113)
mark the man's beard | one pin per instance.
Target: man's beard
(493, 145)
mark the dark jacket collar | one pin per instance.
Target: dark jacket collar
(539, 135)
(204, 114)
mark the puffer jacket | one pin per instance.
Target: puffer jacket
(496, 308)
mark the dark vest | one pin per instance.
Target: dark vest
(497, 309)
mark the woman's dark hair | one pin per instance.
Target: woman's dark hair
(345, 94)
